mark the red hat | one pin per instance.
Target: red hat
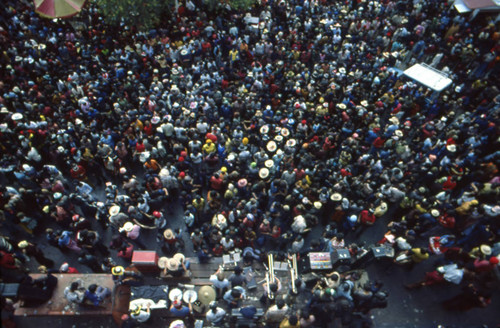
(181, 159)
(157, 214)
(184, 153)
(303, 121)
(182, 174)
(494, 260)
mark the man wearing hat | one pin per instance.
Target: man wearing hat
(139, 314)
(220, 283)
(215, 315)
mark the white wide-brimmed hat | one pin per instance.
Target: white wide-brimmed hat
(264, 173)
(114, 210)
(271, 146)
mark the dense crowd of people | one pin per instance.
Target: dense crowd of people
(261, 129)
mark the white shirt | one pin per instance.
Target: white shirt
(219, 284)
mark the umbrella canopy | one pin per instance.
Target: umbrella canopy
(58, 8)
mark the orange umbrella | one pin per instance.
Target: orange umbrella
(58, 8)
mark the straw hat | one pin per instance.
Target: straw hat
(269, 163)
(114, 210)
(22, 244)
(394, 120)
(264, 173)
(317, 205)
(173, 264)
(285, 132)
(336, 197)
(242, 183)
(364, 103)
(17, 116)
(435, 213)
(168, 234)
(291, 143)
(271, 146)
(117, 270)
(128, 226)
(485, 249)
(206, 294)
(162, 262)
(451, 148)
(155, 119)
(264, 129)
(398, 133)
(342, 106)
(180, 257)
(278, 138)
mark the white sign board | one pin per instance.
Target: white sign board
(428, 76)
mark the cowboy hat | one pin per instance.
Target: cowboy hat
(435, 213)
(168, 234)
(162, 262)
(269, 163)
(242, 183)
(336, 197)
(271, 146)
(291, 143)
(485, 249)
(17, 116)
(285, 132)
(264, 173)
(155, 119)
(451, 148)
(394, 120)
(278, 138)
(264, 129)
(128, 226)
(117, 270)
(173, 264)
(179, 257)
(22, 244)
(114, 210)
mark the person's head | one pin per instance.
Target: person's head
(220, 276)
(238, 270)
(293, 320)
(280, 303)
(73, 286)
(273, 287)
(92, 288)
(235, 293)
(213, 306)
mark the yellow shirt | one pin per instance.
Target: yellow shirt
(208, 148)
